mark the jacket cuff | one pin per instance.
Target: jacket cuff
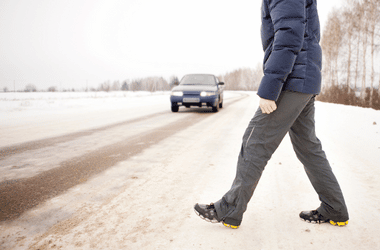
(270, 88)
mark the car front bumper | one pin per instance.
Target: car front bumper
(194, 100)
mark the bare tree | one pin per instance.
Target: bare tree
(115, 86)
(348, 35)
(358, 13)
(136, 85)
(364, 46)
(52, 89)
(374, 18)
(257, 76)
(106, 86)
(30, 88)
(331, 44)
(125, 85)
(154, 84)
(173, 81)
(162, 84)
(243, 79)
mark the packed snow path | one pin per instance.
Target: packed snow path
(120, 171)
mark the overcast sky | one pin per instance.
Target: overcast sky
(74, 43)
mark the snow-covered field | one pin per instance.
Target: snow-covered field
(36, 115)
(145, 201)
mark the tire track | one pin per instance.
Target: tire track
(18, 196)
(43, 143)
(48, 142)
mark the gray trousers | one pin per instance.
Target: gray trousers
(294, 114)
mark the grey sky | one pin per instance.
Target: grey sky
(68, 43)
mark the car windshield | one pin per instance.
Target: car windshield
(198, 80)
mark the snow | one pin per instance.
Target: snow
(146, 202)
(42, 112)
(41, 103)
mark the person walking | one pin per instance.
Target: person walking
(290, 34)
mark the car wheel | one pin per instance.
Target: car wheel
(216, 107)
(175, 108)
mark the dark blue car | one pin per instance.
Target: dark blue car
(198, 90)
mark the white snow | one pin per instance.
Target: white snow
(37, 115)
(154, 210)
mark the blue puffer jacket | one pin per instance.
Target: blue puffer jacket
(290, 34)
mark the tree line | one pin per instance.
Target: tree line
(240, 79)
(246, 79)
(350, 45)
(151, 84)
(139, 84)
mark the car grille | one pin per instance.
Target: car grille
(192, 93)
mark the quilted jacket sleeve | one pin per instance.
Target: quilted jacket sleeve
(288, 18)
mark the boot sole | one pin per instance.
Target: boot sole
(215, 221)
(204, 218)
(339, 224)
(230, 226)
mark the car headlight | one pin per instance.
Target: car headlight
(206, 93)
(177, 93)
